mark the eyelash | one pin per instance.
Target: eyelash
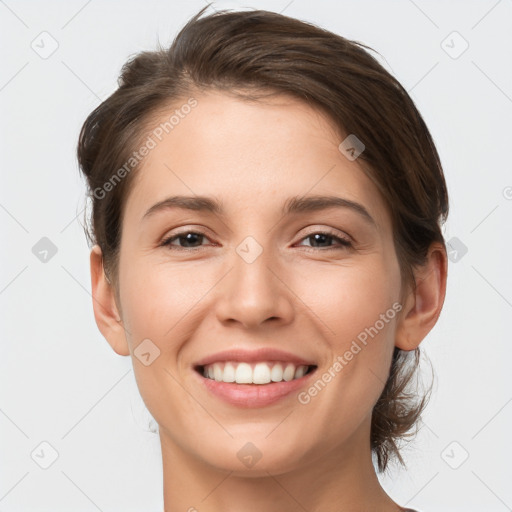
(344, 244)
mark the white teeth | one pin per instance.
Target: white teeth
(217, 372)
(243, 374)
(229, 373)
(277, 373)
(256, 373)
(300, 372)
(289, 372)
(261, 374)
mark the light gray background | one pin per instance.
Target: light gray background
(62, 383)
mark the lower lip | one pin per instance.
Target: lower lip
(254, 395)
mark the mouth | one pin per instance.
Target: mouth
(253, 378)
(259, 373)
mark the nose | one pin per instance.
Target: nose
(254, 293)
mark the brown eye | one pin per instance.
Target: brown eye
(192, 240)
(323, 237)
(188, 239)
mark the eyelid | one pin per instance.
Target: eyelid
(329, 231)
(191, 228)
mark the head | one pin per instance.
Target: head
(251, 109)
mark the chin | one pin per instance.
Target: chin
(255, 458)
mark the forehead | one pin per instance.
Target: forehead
(251, 155)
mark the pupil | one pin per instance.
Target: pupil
(321, 236)
(188, 239)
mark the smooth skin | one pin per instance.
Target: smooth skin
(198, 296)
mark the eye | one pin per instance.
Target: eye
(190, 239)
(321, 237)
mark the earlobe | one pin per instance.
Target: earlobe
(105, 309)
(423, 305)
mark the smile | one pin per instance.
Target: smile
(253, 378)
(254, 373)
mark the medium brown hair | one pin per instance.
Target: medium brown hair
(253, 54)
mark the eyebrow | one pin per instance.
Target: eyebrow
(294, 205)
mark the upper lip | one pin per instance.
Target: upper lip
(249, 356)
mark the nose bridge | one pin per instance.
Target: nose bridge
(252, 293)
(251, 272)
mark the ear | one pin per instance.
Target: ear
(106, 313)
(423, 306)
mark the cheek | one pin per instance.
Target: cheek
(349, 299)
(158, 305)
(356, 309)
(156, 298)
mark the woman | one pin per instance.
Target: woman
(266, 212)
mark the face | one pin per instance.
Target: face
(258, 290)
